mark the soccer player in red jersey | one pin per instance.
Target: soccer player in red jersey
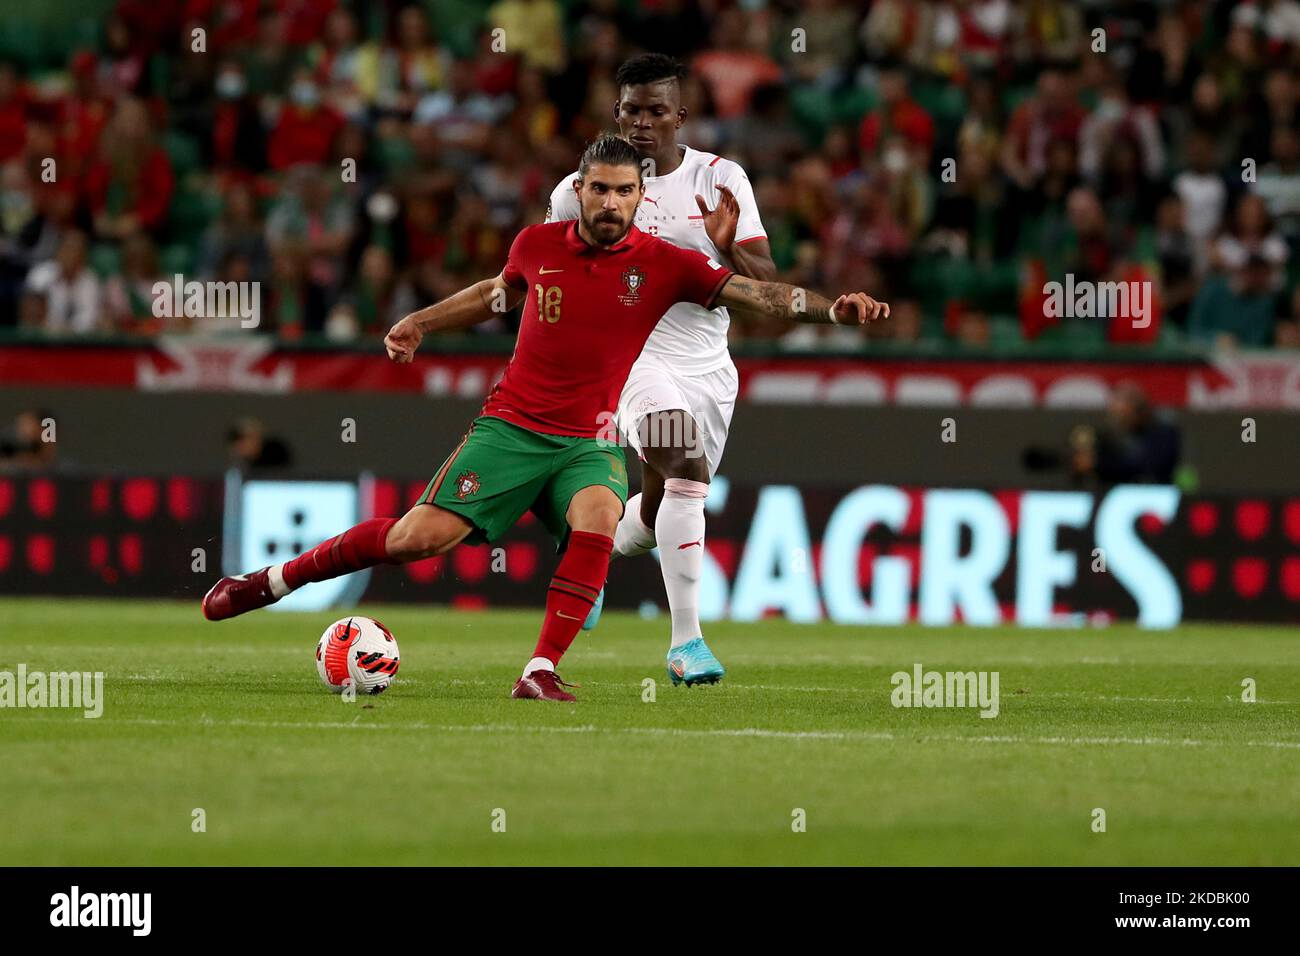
(593, 290)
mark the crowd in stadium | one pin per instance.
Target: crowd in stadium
(951, 157)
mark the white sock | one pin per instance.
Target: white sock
(632, 537)
(275, 574)
(680, 528)
(538, 664)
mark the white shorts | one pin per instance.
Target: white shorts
(653, 386)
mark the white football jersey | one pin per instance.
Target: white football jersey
(690, 337)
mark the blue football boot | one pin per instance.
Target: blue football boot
(693, 663)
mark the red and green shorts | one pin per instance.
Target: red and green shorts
(499, 471)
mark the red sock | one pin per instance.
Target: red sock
(573, 591)
(359, 547)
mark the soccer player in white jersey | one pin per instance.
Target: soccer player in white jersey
(676, 406)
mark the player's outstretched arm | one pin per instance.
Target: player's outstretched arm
(781, 301)
(752, 258)
(469, 306)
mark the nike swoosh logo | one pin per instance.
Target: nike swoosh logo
(546, 272)
(689, 544)
(567, 617)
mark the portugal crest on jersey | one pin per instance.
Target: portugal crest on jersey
(466, 485)
(633, 279)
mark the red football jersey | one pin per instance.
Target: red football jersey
(587, 315)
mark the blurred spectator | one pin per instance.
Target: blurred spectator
(828, 40)
(898, 115)
(237, 230)
(1050, 115)
(305, 130)
(64, 295)
(312, 226)
(969, 221)
(20, 228)
(130, 188)
(671, 27)
(733, 68)
(1050, 31)
(128, 297)
(460, 117)
(1204, 192)
(268, 61)
(13, 113)
(336, 58)
(1174, 252)
(533, 27)
(866, 231)
(238, 139)
(535, 119)
(23, 445)
(1279, 182)
(1251, 236)
(381, 296)
(983, 122)
(1218, 124)
(1237, 308)
(1135, 446)
(1276, 108)
(395, 76)
(122, 70)
(81, 115)
(770, 136)
(1115, 118)
(249, 448)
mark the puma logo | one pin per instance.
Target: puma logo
(691, 544)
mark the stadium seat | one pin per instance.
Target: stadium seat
(927, 390)
(1004, 391)
(1077, 391)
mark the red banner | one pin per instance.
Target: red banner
(1236, 381)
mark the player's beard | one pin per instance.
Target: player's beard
(597, 228)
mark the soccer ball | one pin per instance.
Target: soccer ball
(360, 650)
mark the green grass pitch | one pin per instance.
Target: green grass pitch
(231, 718)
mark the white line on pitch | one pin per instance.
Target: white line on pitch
(757, 732)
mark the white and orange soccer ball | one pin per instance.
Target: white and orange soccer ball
(359, 650)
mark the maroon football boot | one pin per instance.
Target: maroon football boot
(542, 685)
(236, 595)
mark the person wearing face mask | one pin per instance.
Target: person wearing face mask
(238, 139)
(306, 127)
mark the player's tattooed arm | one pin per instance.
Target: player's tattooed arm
(469, 306)
(781, 301)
